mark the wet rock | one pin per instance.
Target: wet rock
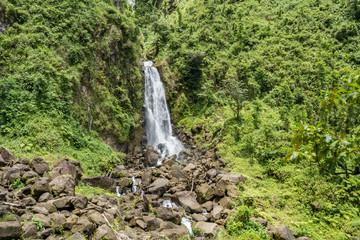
(6, 157)
(167, 214)
(39, 165)
(188, 201)
(101, 182)
(158, 187)
(207, 229)
(232, 178)
(29, 230)
(151, 157)
(204, 193)
(40, 187)
(104, 232)
(283, 233)
(63, 184)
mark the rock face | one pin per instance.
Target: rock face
(6, 157)
(151, 157)
(188, 201)
(10, 230)
(167, 214)
(65, 167)
(101, 182)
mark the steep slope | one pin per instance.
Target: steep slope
(68, 68)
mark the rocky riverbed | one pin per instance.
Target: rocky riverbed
(154, 202)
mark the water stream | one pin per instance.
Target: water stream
(157, 116)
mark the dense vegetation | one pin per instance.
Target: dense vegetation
(255, 74)
(69, 74)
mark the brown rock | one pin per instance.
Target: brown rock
(79, 201)
(232, 178)
(104, 232)
(83, 225)
(204, 193)
(158, 187)
(232, 191)
(283, 233)
(175, 233)
(151, 157)
(10, 229)
(96, 217)
(30, 230)
(199, 217)
(226, 202)
(303, 238)
(63, 184)
(6, 157)
(167, 214)
(209, 230)
(151, 223)
(39, 165)
(65, 167)
(216, 212)
(177, 172)
(101, 182)
(40, 187)
(188, 201)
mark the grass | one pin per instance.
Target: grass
(89, 191)
(7, 218)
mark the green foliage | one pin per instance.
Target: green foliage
(18, 184)
(7, 217)
(68, 64)
(39, 224)
(241, 225)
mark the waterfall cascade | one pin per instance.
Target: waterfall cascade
(157, 116)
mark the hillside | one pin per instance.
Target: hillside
(269, 88)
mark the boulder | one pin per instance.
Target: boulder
(40, 210)
(151, 223)
(188, 201)
(208, 206)
(6, 157)
(104, 232)
(39, 165)
(62, 203)
(146, 178)
(124, 183)
(262, 221)
(232, 191)
(65, 167)
(151, 157)
(174, 233)
(29, 201)
(29, 230)
(10, 229)
(207, 229)
(158, 187)
(83, 225)
(303, 238)
(283, 233)
(226, 202)
(43, 218)
(199, 217)
(216, 212)
(177, 172)
(79, 201)
(40, 187)
(96, 217)
(101, 182)
(232, 178)
(45, 197)
(204, 193)
(30, 174)
(63, 184)
(77, 236)
(58, 220)
(167, 214)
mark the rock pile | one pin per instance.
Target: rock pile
(167, 201)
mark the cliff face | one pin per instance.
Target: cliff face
(73, 63)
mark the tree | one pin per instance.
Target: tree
(237, 93)
(333, 152)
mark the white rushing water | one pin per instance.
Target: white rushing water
(134, 184)
(132, 3)
(157, 116)
(184, 220)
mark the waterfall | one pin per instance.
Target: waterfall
(157, 116)
(132, 3)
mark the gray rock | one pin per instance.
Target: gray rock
(216, 212)
(177, 172)
(40, 187)
(30, 230)
(29, 201)
(96, 217)
(151, 157)
(207, 229)
(43, 218)
(63, 184)
(10, 229)
(6, 157)
(158, 187)
(204, 193)
(167, 214)
(79, 201)
(151, 223)
(232, 191)
(101, 182)
(199, 217)
(104, 232)
(39, 165)
(58, 220)
(77, 236)
(283, 233)
(45, 197)
(65, 167)
(188, 201)
(175, 233)
(83, 225)
(303, 238)
(232, 178)
(226, 202)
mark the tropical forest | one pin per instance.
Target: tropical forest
(180, 119)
